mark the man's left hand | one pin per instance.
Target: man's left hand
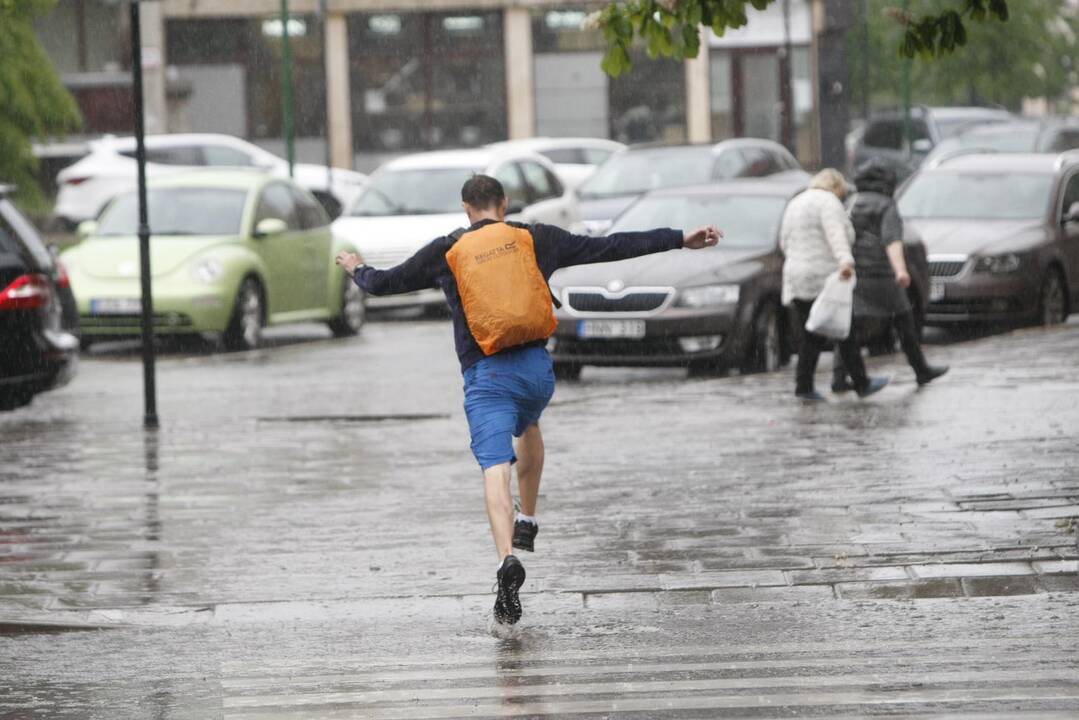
(706, 236)
(348, 261)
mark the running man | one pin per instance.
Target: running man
(494, 275)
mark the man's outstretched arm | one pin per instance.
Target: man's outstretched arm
(563, 249)
(416, 273)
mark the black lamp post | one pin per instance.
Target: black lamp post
(149, 384)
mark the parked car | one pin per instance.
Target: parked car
(38, 323)
(1052, 135)
(640, 169)
(231, 251)
(575, 159)
(109, 169)
(882, 135)
(1002, 232)
(414, 199)
(710, 309)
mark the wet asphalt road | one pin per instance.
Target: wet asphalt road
(305, 538)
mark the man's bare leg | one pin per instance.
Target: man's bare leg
(496, 486)
(529, 468)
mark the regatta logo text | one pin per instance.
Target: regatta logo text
(497, 252)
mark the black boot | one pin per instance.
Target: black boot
(931, 373)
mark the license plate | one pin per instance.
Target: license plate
(116, 306)
(610, 329)
(936, 290)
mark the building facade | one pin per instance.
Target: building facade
(376, 78)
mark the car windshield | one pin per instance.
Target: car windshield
(747, 221)
(987, 196)
(420, 191)
(178, 211)
(632, 173)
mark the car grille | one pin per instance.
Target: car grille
(946, 268)
(161, 320)
(585, 301)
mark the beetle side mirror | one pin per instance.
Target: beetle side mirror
(86, 228)
(1071, 215)
(921, 146)
(515, 208)
(269, 227)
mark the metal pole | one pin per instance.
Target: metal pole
(324, 18)
(865, 60)
(286, 82)
(148, 379)
(906, 92)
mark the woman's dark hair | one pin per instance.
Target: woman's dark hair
(482, 192)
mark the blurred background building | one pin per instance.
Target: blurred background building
(395, 76)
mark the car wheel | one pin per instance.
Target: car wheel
(244, 331)
(85, 343)
(766, 346)
(1054, 305)
(567, 370)
(353, 311)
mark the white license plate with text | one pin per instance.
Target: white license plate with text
(116, 306)
(936, 290)
(588, 329)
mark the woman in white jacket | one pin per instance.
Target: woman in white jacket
(816, 237)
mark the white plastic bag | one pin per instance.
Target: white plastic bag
(831, 311)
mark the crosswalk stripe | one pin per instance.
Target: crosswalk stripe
(424, 694)
(512, 708)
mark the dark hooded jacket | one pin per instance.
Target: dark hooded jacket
(877, 224)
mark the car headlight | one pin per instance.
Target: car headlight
(999, 264)
(207, 271)
(709, 296)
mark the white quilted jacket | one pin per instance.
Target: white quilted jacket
(816, 236)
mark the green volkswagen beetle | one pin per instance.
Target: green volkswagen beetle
(230, 252)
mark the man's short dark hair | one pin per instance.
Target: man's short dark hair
(482, 192)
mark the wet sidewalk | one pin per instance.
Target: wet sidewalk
(305, 537)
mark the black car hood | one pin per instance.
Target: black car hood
(967, 237)
(675, 268)
(606, 208)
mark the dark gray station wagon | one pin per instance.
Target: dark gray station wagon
(1002, 232)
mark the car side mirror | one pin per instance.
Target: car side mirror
(515, 208)
(1071, 215)
(269, 227)
(86, 228)
(921, 146)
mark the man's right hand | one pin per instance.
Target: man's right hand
(706, 236)
(348, 261)
(846, 270)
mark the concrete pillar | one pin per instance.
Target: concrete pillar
(520, 85)
(698, 94)
(152, 28)
(338, 92)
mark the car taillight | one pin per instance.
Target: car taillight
(75, 180)
(27, 292)
(62, 280)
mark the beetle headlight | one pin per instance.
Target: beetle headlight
(709, 296)
(207, 271)
(999, 264)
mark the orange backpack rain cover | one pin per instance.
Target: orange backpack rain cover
(505, 299)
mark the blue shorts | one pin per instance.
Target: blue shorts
(504, 395)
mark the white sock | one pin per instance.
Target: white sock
(527, 518)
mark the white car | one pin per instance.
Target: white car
(414, 199)
(574, 158)
(109, 169)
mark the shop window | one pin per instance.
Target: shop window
(427, 80)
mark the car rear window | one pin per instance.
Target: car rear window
(18, 236)
(632, 173)
(571, 156)
(178, 211)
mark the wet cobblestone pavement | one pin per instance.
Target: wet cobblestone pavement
(305, 538)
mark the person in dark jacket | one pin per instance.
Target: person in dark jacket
(508, 389)
(881, 267)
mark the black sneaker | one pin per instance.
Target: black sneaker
(932, 372)
(524, 535)
(511, 576)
